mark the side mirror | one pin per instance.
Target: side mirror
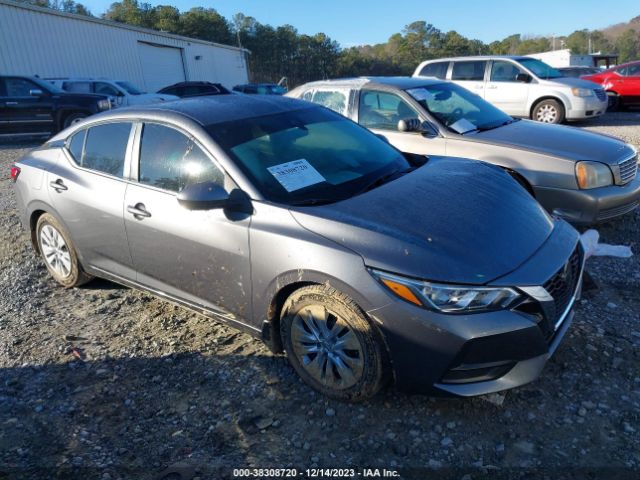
(203, 196)
(523, 78)
(36, 92)
(410, 125)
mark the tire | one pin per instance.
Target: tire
(548, 111)
(614, 101)
(331, 344)
(73, 118)
(58, 253)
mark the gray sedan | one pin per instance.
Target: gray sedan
(304, 229)
(580, 176)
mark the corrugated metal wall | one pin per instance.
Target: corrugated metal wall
(34, 41)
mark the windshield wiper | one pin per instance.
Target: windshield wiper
(384, 179)
(507, 122)
(312, 201)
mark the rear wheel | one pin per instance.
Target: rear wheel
(58, 252)
(331, 344)
(548, 111)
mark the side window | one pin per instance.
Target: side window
(624, 71)
(77, 87)
(634, 70)
(469, 70)
(308, 95)
(106, 147)
(436, 69)
(19, 87)
(383, 110)
(75, 145)
(105, 89)
(333, 99)
(502, 71)
(172, 161)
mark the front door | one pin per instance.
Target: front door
(26, 107)
(504, 91)
(381, 111)
(201, 257)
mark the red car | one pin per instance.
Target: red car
(622, 84)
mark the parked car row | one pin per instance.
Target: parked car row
(371, 228)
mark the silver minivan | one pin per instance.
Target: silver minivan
(521, 86)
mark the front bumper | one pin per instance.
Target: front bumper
(476, 354)
(585, 207)
(582, 108)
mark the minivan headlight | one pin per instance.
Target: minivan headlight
(593, 175)
(447, 298)
(582, 92)
(104, 104)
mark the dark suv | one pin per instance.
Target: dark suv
(30, 106)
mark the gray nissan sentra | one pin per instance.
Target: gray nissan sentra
(583, 177)
(299, 226)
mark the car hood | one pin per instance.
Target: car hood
(556, 140)
(451, 220)
(154, 97)
(575, 82)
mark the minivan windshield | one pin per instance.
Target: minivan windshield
(458, 109)
(309, 156)
(129, 88)
(540, 69)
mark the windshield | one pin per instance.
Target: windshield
(129, 88)
(540, 69)
(307, 156)
(459, 109)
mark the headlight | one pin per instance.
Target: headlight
(582, 92)
(448, 298)
(104, 104)
(593, 175)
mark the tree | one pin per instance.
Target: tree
(628, 46)
(206, 24)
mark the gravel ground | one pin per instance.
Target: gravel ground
(104, 382)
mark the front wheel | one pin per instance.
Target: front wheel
(331, 344)
(73, 118)
(548, 111)
(59, 255)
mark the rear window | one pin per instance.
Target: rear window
(77, 87)
(473, 70)
(105, 148)
(436, 69)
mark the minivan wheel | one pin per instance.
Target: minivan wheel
(73, 118)
(548, 111)
(59, 253)
(331, 344)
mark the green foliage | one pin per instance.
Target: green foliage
(628, 46)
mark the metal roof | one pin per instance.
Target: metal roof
(110, 23)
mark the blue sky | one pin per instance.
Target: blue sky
(357, 22)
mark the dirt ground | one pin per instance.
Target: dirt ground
(104, 382)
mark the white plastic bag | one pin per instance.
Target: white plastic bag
(591, 247)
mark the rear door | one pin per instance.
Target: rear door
(26, 107)
(470, 74)
(87, 188)
(201, 257)
(380, 112)
(504, 91)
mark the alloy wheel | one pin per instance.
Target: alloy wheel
(547, 114)
(55, 251)
(326, 347)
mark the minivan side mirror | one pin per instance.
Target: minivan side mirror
(523, 78)
(203, 196)
(36, 92)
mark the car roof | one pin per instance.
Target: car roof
(194, 83)
(401, 83)
(209, 110)
(478, 57)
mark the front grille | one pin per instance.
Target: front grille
(563, 284)
(600, 93)
(628, 169)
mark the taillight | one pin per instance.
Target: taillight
(15, 171)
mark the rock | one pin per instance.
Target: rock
(451, 425)
(617, 361)
(401, 450)
(582, 411)
(446, 442)
(263, 422)
(329, 412)
(306, 446)
(526, 447)
(611, 305)
(434, 463)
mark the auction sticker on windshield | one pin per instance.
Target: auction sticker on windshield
(296, 174)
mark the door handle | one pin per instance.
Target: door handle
(139, 211)
(58, 185)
